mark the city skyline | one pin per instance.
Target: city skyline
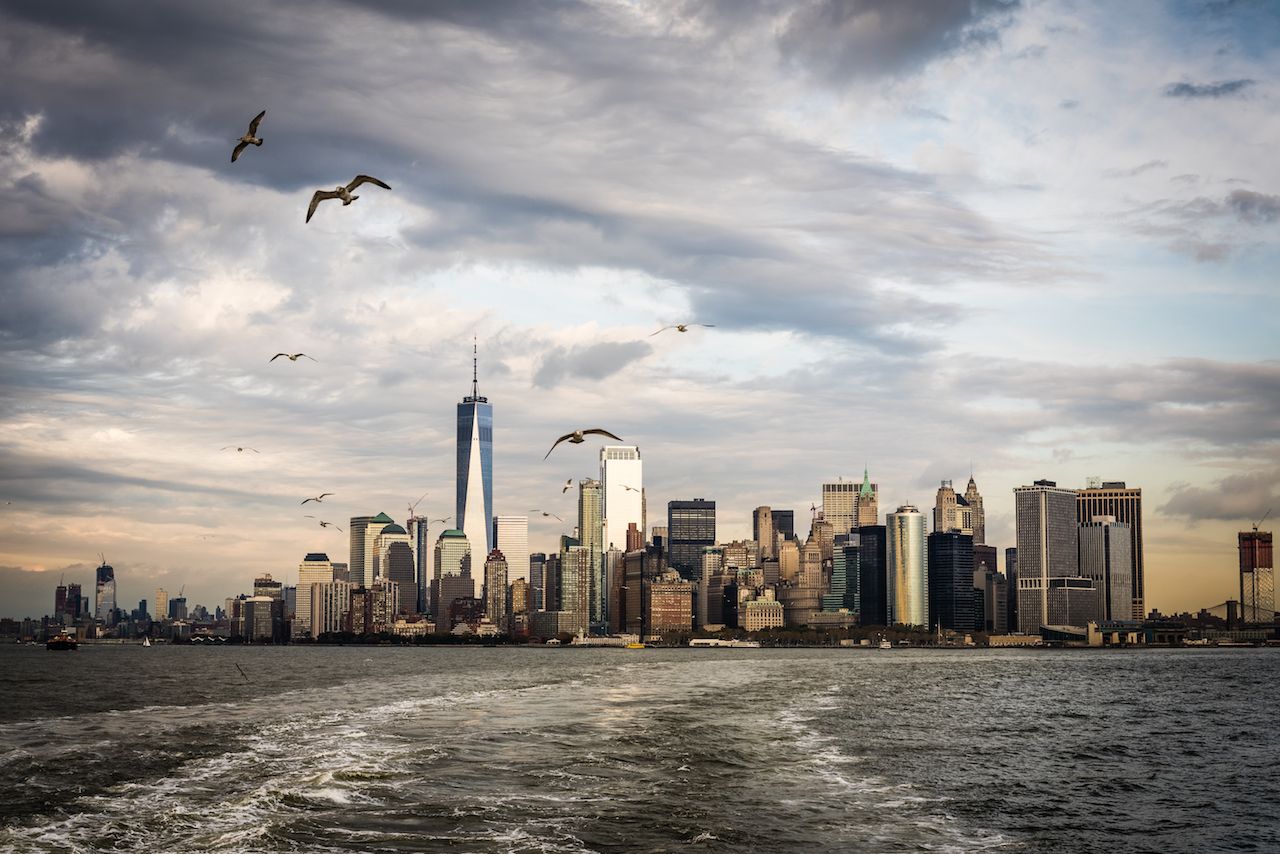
(991, 238)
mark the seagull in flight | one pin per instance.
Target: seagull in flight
(629, 488)
(292, 357)
(577, 437)
(344, 193)
(318, 499)
(682, 327)
(545, 513)
(324, 524)
(240, 450)
(250, 138)
(445, 519)
(568, 484)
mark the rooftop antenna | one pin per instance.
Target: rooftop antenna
(475, 368)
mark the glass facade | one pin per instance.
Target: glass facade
(872, 573)
(691, 527)
(474, 506)
(951, 596)
(908, 588)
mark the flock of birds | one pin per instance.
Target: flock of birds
(345, 193)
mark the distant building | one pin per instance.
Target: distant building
(1106, 557)
(591, 536)
(784, 524)
(473, 508)
(162, 604)
(712, 564)
(315, 568)
(908, 574)
(384, 605)
(977, 513)
(1011, 586)
(843, 593)
(951, 590)
(265, 585)
(873, 573)
(760, 614)
(574, 590)
(452, 573)
(1257, 576)
(394, 561)
(691, 527)
(495, 589)
(990, 609)
(1045, 527)
(104, 602)
(762, 532)
(622, 482)
(537, 581)
(330, 604)
(670, 604)
(840, 505)
(868, 502)
(1114, 498)
(511, 533)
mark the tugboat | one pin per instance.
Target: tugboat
(61, 640)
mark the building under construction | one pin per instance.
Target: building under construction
(1257, 577)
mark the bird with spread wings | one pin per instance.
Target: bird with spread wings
(344, 193)
(577, 437)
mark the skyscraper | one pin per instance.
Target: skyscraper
(495, 589)
(977, 513)
(843, 594)
(784, 524)
(762, 532)
(474, 508)
(574, 589)
(395, 562)
(537, 581)
(951, 590)
(511, 534)
(357, 527)
(421, 545)
(1045, 529)
(451, 576)
(622, 480)
(908, 569)
(366, 573)
(1257, 576)
(104, 602)
(691, 527)
(873, 575)
(591, 535)
(1113, 498)
(840, 505)
(314, 569)
(162, 604)
(868, 501)
(1105, 557)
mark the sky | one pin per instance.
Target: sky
(1028, 240)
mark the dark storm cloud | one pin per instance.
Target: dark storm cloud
(27, 480)
(1221, 89)
(843, 40)
(591, 361)
(1242, 498)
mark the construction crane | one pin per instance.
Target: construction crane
(414, 506)
(1258, 523)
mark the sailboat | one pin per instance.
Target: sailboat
(146, 641)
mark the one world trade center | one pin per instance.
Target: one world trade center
(475, 471)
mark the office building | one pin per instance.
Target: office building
(1011, 586)
(950, 511)
(511, 533)
(762, 532)
(574, 587)
(670, 605)
(907, 558)
(977, 513)
(712, 564)
(451, 575)
(840, 505)
(474, 506)
(395, 562)
(763, 613)
(743, 554)
(691, 527)
(495, 589)
(1045, 530)
(357, 527)
(258, 618)
(951, 590)
(1069, 601)
(162, 603)
(1114, 498)
(1257, 576)
(591, 537)
(384, 604)
(845, 567)
(422, 554)
(314, 569)
(1106, 557)
(784, 524)
(537, 581)
(991, 596)
(265, 585)
(868, 501)
(104, 602)
(622, 483)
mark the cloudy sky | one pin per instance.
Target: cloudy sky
(1038, 238)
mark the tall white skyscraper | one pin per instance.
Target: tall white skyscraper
(1045, 531)
(908, 565)
(622, 479)
(840, 505)
(511, 533)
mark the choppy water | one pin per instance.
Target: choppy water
(403, 749)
